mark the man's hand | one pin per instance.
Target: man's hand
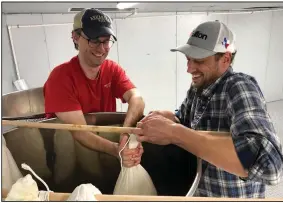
(130, 157)
(166, 114)
(155, 129)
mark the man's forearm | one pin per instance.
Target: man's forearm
(217, 150)
(94, 142)
(135, 111)
(88, 139)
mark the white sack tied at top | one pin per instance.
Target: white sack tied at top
(84, 192)
(26, 189)
(134, 180)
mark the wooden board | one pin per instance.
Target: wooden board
(64, 196)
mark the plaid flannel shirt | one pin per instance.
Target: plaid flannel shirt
(234, 103)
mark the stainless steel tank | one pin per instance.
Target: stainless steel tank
(24, 103)
(64, 163)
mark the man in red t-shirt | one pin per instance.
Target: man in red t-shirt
(90, 83)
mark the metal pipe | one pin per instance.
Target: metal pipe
(132, 10)
(243, 12)
(132, 14)
(13, 53)
(196, 180)
(38, 25)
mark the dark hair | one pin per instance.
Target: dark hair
(78, 32)
(219, 55)
(233, 57)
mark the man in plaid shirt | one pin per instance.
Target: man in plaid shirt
(239, 165)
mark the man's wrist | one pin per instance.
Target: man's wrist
(115, 149)
(175, 131)
(122, 135)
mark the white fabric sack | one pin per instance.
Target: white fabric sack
(84, 192)
(134, 180)
(25, 189)
(10, 170)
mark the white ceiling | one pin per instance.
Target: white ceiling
(148, 7)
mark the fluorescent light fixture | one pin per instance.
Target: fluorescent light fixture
(125, 5)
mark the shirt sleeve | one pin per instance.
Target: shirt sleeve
(59, 94)
(253, 134)
(121, 82)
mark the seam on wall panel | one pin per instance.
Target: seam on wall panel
(268, 54)
(277, 100)
(227, 21)
(118, 58)
(116, 29)
(176, 68)
(46, 46)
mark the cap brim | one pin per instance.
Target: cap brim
(194, 52)
(102, 31)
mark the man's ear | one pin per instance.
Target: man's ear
(227, 58)
(75, 37)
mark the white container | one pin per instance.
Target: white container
(21, 85)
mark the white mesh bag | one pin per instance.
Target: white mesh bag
(134, 180)
(25, 188)
(84, 192)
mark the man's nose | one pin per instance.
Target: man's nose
(100, 47)
(191, 67)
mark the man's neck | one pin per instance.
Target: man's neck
(90, 72)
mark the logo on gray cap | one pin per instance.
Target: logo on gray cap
(200, 35)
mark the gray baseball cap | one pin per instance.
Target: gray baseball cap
(208, 39)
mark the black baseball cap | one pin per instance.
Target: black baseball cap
(94, 23)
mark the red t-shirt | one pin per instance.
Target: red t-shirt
(68, 89)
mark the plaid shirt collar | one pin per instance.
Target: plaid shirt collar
(210, 90)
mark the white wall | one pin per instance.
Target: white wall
(253, 36)
(8, 69)
(275, 110)
(143, 49)
(146, 58)
(274, 70)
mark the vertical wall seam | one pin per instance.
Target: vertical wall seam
(176, 72)
(116, 29)
(268, 54)
(117, 48)
(46, 46)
